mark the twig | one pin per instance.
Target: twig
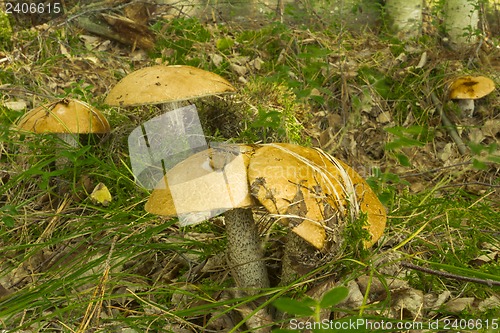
(448, 125)
(471, 183)
(414, 174)
(489, 283)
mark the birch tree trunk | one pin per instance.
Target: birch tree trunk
(461, 19)
(405, 17)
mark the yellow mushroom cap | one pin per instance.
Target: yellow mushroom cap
(203, 185)
(307, 185)
(64, 116)
(471, 87)
(163, 84)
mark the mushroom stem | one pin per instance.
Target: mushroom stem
(69, 140)
(292, 267)
(244, 251)
(171, 106)
(466, 107)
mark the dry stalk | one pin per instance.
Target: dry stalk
(489, 283)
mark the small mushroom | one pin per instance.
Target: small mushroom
(66, 118)
(466, 89)
(166, 85)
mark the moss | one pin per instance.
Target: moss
(5, 31)
(273, 114)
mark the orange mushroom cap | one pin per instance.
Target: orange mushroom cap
(162, 84)
(64, 116)
(471, 87)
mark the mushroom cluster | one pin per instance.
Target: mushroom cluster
(304, 188)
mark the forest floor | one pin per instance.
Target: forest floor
(73, 263)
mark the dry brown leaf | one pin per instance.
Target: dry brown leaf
(217, 59)
(240, 70)
(90, 42)
(408, 303)
(458, 305)
(355, 298)
(257, 63)
(18, 105)
(491, 127)
(447, 152)
(438, 301)
(476, 135)
(384, 118)
(492, 302)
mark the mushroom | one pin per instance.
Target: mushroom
(305, 188)
(284, 176)
(315, 195)
(166, 84)
(209, 183)
(67, 118)
(468, 88)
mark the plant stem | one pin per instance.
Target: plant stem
(462, 148)
(489, 283)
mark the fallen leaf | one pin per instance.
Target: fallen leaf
(101, 195)
(217, 59)
(490, 303)
(16, 105)
(408, 303)
(446, 153)
(257, 63)
(90, 42)
(240, 70)
(458, 305)
(476, 135)
(64, 51)
(491, 127)
(441, 298)
(384, 118)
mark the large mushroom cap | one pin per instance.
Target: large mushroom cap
(471, 87)
(309, 188)
(162, 84)
(204, 185)
(64, 116)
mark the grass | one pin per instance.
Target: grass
(69, 264)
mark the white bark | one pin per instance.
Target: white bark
(461, 17)
(405, 17)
